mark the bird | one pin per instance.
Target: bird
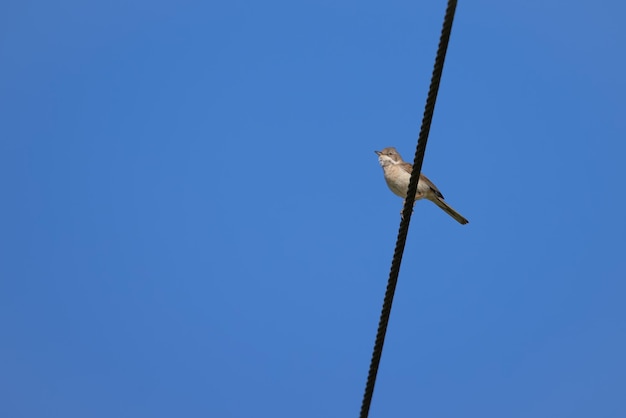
(397, 175)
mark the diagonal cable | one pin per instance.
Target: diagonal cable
(408, 207)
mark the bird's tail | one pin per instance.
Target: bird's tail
(448, 209)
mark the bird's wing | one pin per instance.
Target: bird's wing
(431, 185)
(406, 167)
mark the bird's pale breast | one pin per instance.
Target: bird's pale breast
(398, 181)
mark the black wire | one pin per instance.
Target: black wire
(408, 207)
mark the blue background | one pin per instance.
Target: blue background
(194, 223)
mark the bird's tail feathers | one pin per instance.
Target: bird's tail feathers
(450, 211)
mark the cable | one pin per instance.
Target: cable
(408, 207)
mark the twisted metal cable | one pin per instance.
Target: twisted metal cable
(408, 206)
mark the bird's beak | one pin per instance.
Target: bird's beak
(377, 153)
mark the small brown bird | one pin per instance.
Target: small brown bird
(397, 175)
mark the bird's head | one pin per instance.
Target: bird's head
(388, 156)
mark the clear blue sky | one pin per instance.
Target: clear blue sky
(194, 223)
